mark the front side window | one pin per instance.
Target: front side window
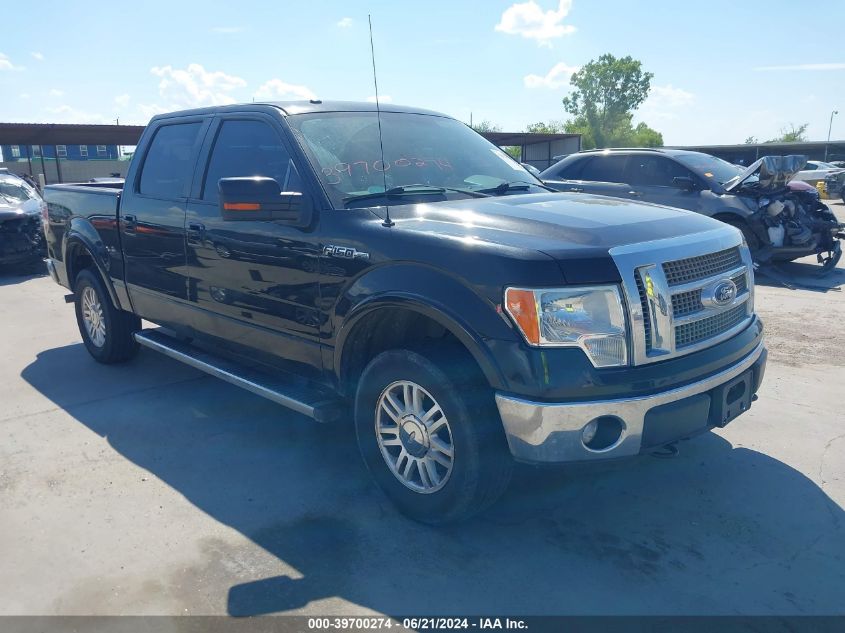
(249, 148)
(709, 167)
(605, 168)
(168, 165)
(419, 150)
(653, 171)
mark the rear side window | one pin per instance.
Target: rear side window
(168, 165)
(604, 169)
(249, 148)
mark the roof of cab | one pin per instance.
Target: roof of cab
(302, 107)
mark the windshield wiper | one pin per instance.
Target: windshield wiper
(411, 190)
(518, 185)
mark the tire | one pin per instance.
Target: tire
(480, 466)
(751, 238)
(106, 331)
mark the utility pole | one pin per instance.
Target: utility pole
(829, 127)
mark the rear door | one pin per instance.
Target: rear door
(601, 174)
(258, 281)
(152, 222)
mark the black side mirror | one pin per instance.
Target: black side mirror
(684, 182)
(261, 198)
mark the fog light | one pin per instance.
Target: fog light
(602, 432)
(589, 431)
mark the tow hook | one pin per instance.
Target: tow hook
(667, 451)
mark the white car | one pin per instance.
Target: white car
(816, 170)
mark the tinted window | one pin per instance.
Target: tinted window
(604, 169)
(249, 148)
(168, 166)
(653, 171)
(571, 170)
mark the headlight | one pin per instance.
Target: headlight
(589, 317)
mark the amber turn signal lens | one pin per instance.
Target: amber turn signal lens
(522, 308)
(242, 206)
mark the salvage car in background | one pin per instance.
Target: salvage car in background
(779, 222)
(817, 171)
(21, 237)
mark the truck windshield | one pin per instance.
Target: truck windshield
(420, 150)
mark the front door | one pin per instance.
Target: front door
(652, 180)
(254, 282)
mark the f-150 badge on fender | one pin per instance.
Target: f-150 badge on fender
(344, 252)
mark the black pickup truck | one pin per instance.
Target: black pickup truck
(398, 271)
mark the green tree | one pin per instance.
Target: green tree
(607, 92)
(751, 140)
(486, 126)
(791, 134)
(552, 127)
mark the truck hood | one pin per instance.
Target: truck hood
(564, 226)
(769, 173)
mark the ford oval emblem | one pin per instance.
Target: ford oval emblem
(720, 294)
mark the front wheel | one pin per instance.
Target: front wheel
(108, 333)
(432, 440)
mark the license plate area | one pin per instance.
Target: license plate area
(732, 399)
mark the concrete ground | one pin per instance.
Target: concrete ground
(149, 488)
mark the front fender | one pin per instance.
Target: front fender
(472, 315)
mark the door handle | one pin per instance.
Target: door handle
(576, 190)
(195, 232)
(129, 222)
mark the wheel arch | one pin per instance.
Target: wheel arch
(80, 251)
(383, 322)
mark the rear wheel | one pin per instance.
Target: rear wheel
(106, 331)
(432, 442)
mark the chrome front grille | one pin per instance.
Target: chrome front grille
(708, 327)
(683, 271)
(675, 292)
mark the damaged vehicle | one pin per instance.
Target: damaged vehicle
(780, 219)
(21, 238)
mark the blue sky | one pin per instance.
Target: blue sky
(722, 70)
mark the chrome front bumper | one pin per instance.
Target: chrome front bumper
(551, 432)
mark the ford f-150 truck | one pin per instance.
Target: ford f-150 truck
(394, 269)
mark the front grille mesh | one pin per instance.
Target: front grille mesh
(689, 302)
(692, 333)
(683, 271)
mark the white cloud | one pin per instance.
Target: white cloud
(381, 99)
(227, 30)
(55, 92)
(665, 102)
(38, 56)
(557, 77)
(194, 86)
(345, 23)
(836, 66)
(121, 100)
(67, 114)
(6, 63)
(528, 19)
(278, 89)
(24, 95)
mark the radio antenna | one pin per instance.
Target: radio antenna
(387, 221)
